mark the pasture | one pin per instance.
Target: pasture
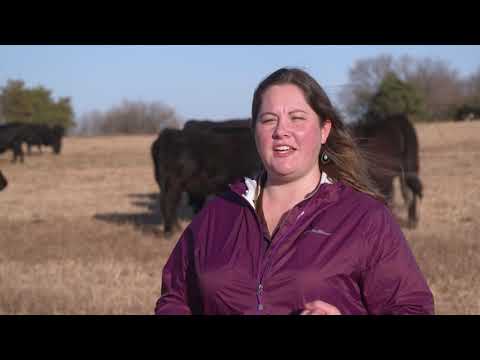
(80, 233)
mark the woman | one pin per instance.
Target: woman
(310, 235)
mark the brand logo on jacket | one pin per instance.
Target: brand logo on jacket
(319, 232)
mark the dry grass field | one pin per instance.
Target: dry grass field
(81, 233)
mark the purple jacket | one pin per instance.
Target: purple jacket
(338, 245)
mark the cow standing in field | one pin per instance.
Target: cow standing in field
(13, 135)
(3, 181)
(42, 135)
(392, 147)
(200, 161)
(11, 138)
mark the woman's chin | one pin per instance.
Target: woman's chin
(282, 174)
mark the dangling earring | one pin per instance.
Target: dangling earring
(324, 158)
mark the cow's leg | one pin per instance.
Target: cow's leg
(407, 193)
(410, 200)
(196, 202)
(163, 208)
(388, 191)
(17, 152)
(14, 153)
(415, 189)
(20, 153)
(385, 186)
(412, 213)
(168, 204)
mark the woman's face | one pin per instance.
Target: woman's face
(288, 134)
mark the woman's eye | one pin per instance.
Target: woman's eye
(298, 118)
(268, 120)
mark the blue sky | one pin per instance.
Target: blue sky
(198, 81)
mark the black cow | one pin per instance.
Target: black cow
(3, 181)
(42, 135)
(392, 147)
(196, 125)
(11, 138)
(200, 163)
(467, 113)
(230, 126)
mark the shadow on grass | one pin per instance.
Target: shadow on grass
(150, 221)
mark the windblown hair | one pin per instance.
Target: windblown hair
(347, 160)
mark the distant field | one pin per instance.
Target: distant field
(81, 233)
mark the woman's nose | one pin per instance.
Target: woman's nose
(281, 129)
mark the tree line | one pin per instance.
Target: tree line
(21, 104)
(426, 89)
(130, 117)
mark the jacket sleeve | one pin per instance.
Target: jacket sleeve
(392, 282)
(178, 291)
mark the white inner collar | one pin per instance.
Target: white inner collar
(253, 187)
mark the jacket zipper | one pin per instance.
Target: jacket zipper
(268, 265)
(260, 275)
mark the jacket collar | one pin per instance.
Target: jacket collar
(249, 188)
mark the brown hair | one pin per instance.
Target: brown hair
(347, 161)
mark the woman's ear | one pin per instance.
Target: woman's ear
(326, 127)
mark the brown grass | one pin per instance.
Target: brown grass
(80, 233)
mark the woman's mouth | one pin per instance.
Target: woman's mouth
(283, 150)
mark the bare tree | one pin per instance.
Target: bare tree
(365, 77)
(130, 117)
(437, 83)
(472, 87)
(440, 85)
(89, 123)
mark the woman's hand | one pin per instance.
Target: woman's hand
(319, 307)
